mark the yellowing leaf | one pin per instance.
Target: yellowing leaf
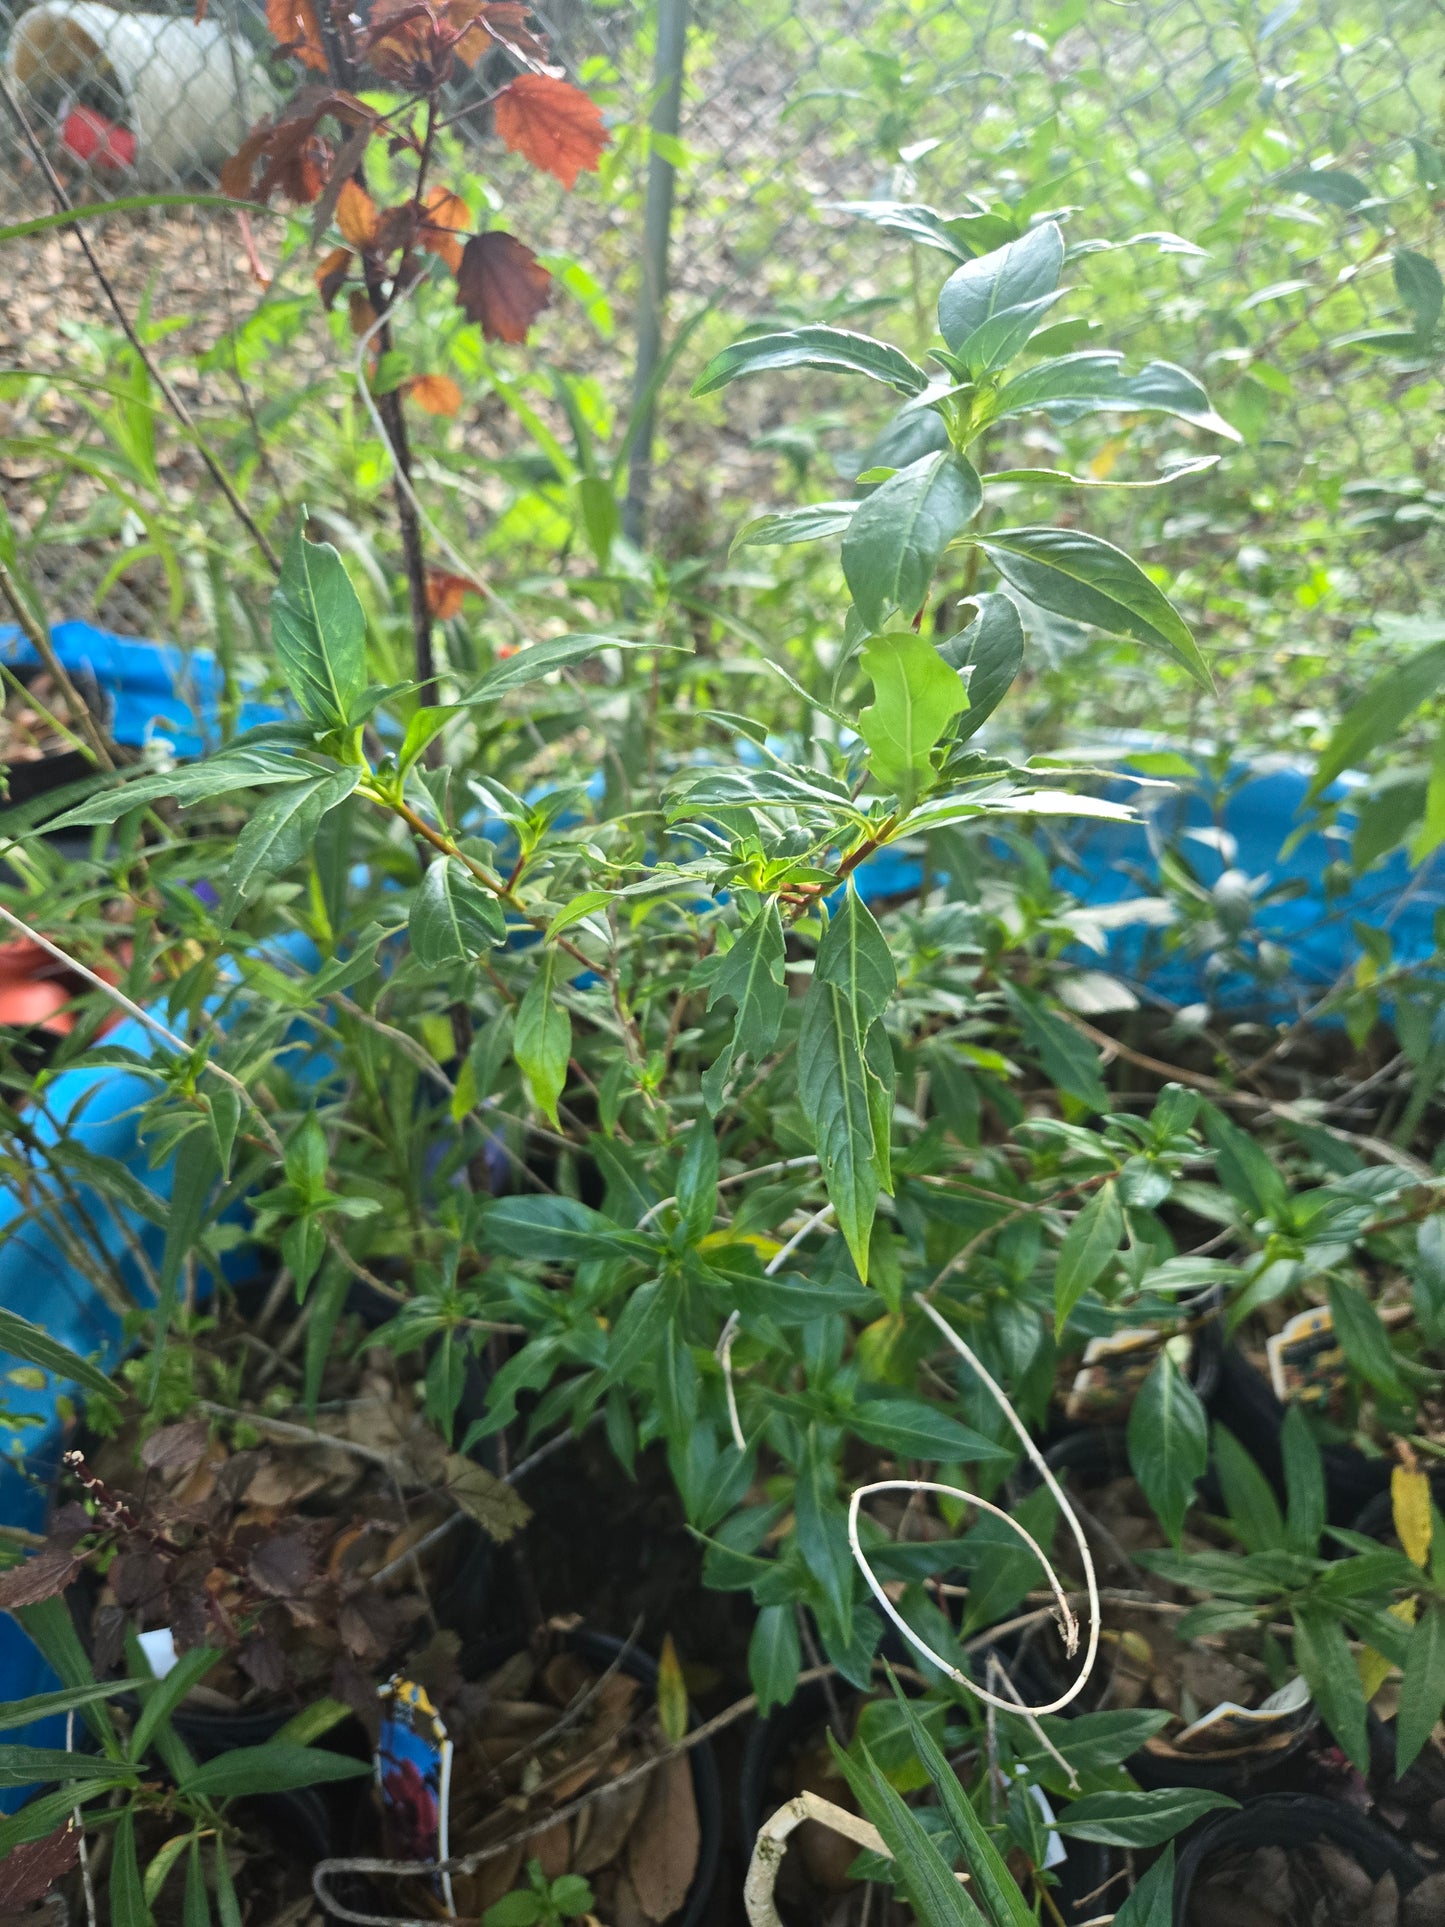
(1375, 1669)
(671, 1694)
(1410, 1501)
(719, 1240)
(1104, 462)
(437, 394)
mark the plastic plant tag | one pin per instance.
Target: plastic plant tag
(1111, 1372)
(1306, 1361)
(414, 1777)
(159, 1648)
(1269, 1727)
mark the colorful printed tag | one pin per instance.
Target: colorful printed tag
(414, 1776)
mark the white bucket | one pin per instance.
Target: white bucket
(191, 93)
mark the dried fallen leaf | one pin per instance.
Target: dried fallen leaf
(356, 214)
(283, 1565)
(444, 593)
(435, 394)
(29, 1871)
(552, 124)
(298, 31)
(609, 1820)
(445, 216)
(663, 1846)
(497, 1509)
(502, 284)
(331, 274)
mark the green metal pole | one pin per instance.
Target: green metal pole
(656, 238)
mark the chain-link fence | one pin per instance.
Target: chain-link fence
(1299, 145)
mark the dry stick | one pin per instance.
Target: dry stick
(1036, 1458)
(999, 1677)
(79, 1824)
(173, 401)
(38, 636)
(772, 1844)
(157, 1028)
(325, 1870)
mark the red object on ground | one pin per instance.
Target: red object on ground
(35, 990)
(91, 137)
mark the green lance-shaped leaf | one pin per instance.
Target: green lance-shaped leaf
(197, 1166)
(1139, 1818)
(1379, 714)
(453, 917)
(540, 659)
(1152, 1902)
(915, 697)
(1422, 1688)
(1023, 271)
(282, 831)
(1322, 1653)
(934, 1894)
(237, 769)
(319, 629)
(835, 349)
(542, 1038)
(1086, 383)
(853, 979)
(898, 533)
(988, 654)
(1168, 1443)
(1079, 575)
(1418, 283)
(812, 522)
(751, 974)
(995, 342)
(23, 1340)
(1090, 1242)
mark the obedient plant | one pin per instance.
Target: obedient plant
(581, 933)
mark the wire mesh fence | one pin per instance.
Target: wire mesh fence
(1288, 143)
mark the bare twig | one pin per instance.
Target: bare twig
(772, 1843)
(1069, 1621)
(38, 636)
(724, 1356)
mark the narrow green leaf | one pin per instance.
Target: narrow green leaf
(993, 1883)
(812, 522)
(161, 1863)
(835, 349)
(282, 831)
(237, 769)
(1304, 1481)
(774, 1657)
(1139, 1819)
(1248, 1496)
(41, 1706)
(23, 1765)
(1151, 1904)
(453, 917)
(196, 1903)
(751, 975)
(1323, 1655)
(1422, 1687)
(127, 1897)
(1332, 185)
(995, 342)
(911, 1428)
(898, 533)
(1380, 713)
(1363, 1337)
(161, 1697)
(319, 629)
(26, 1341)
(542, 1038)
(1168, 1441)
(934, 1894)
(539, 659)
(197, 1167)
(275, 1767)
(1420, 288)
(1081, 576)
(1090, 1243)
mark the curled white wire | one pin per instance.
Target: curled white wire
(1070, 1621)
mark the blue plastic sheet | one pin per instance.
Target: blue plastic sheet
(157, 691)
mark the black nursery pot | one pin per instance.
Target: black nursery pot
(786, 1728)
(1290, 1821)
(1243, 1401)
(601, 1650)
